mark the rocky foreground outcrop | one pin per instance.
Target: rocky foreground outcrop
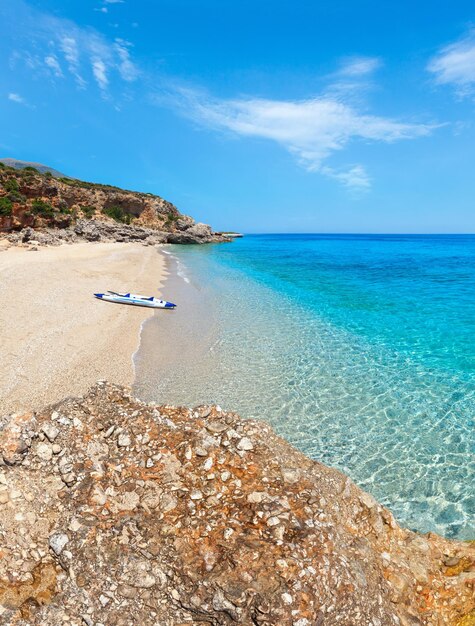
(118, 513)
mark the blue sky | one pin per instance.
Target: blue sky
(261, 116)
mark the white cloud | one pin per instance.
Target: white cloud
(127, 69)
(102, 10)
(355, 177)
(15, 97)
(68, 50)
(312, 130)
(455, 65)
(100, 73)
(52, 62)
(359, 66)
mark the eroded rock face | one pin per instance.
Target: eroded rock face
(103, 231)
(119, 513)
(68, 203)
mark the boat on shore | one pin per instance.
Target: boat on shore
(135, 299)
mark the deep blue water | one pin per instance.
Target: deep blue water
(360, 350)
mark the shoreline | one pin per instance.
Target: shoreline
(57, 340)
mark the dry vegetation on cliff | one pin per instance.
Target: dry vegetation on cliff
(117, 513)
(30, 199)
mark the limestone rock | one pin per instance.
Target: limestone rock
(248, 531)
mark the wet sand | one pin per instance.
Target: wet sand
(56, 339)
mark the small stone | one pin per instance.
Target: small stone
(287, 598)
(273, 521)
(245, 444)
(208, 464)
(127, 591)
(109, 431)
(196, 495)
(199, 451)
(144, 580)
(216, 427)
(44, 451)
(56, 448)
(4, 497)
(51, 431)
(57, 541)
(256, 497)
(123, 440)
(74, 525)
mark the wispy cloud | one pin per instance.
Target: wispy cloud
(64, 49)
(100, 73)
(359, 66)
(52, 62)
(455, 65)
(15, 97)
(128, 70)
(312, 130)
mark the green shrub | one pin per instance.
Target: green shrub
(40, 207)
(16, 196)
(118, 214)
(2, 165)
(88, 210)
(6, 206)
(11, 184)
(48, 175)
(30, 168)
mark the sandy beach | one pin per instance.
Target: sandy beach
(56, 339)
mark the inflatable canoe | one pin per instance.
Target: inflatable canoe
(132, 298)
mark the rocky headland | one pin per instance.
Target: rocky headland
(118, 513)
(37, 206)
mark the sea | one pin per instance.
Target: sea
(358, 349)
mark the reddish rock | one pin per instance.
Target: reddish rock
(151, 515)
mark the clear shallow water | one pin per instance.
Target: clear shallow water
(360, 350)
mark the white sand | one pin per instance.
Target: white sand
(56, 339)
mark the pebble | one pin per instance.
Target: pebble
(245, 444)
(216, 427)
(256, 497)
(44, 451)
(51, 431)
(124, 440)
(57, 542)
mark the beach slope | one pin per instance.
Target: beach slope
(56, 338)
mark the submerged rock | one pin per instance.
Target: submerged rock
(148, 515)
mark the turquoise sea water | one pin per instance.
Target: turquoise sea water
(360, 350)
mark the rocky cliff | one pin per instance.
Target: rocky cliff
(117, 513)
(30, 199)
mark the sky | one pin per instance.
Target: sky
(253, 115)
